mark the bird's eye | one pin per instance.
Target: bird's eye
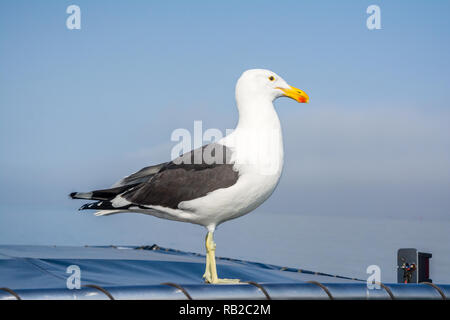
(271, 78)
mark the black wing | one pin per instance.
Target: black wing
(190, 176)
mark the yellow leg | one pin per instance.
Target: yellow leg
(207, 274)
(211, 270)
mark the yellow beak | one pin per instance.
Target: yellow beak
(295, 94)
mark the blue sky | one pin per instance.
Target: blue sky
(79, 109)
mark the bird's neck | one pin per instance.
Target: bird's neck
(257, 114)
(257, 141)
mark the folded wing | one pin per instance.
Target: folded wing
(192, 175)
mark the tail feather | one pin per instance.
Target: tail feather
(81, 195)
(105, 205)
(105, 194)
(107, 212)
(99, 205)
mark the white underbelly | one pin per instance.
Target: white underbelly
(224, 204)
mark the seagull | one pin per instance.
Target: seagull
(216, 182)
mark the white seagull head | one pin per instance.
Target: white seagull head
(266, 85)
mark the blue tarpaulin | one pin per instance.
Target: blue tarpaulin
(151, 272)
(38, 267)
